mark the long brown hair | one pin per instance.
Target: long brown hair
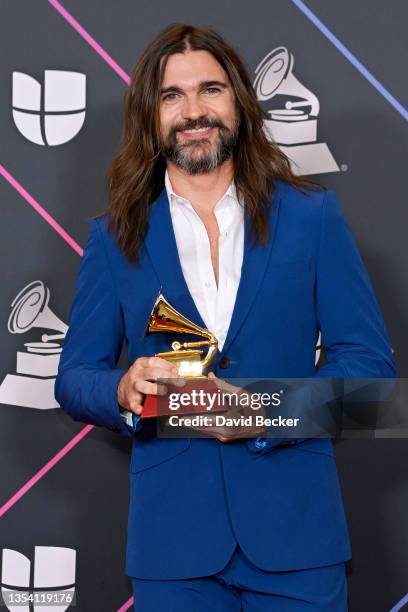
(135, 177)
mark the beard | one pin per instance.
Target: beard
(196, 156)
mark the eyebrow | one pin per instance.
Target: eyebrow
(203, 84)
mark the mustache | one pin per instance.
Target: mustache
(196, 125)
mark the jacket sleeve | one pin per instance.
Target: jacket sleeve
(353, 330)
(87, 379)
(354, 336)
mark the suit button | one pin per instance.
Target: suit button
(224, 363)
(260, 443)
(115, 429)
(287, 443)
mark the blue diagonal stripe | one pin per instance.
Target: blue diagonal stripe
(351, 58)
(400, 604)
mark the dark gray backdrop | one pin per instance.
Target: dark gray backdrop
(82, 502)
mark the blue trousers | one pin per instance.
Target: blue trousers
(242, 587)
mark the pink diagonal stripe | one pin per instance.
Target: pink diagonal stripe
(128, 604)
(74, 245)
(20, 189)
(38, 208)
(46, 468)
(90, 40)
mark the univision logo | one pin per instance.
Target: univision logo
(49, 581)
(51, 114)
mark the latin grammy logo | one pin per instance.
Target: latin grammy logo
(33, 384)
(293, 124)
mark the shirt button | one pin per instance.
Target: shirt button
(260, 443)
(224, 363)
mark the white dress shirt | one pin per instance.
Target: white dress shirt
(215, 304)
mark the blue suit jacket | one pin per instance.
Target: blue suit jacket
(192, 499)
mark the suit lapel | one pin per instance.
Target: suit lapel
(253, 269)
(162, 248)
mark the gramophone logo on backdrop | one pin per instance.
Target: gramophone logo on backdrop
(51, 114)
(293, 120)
(53, 584)
(37, 365)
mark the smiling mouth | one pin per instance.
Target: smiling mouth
(200, 132)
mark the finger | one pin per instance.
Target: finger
(172, 378)
(139, 397)
(158, 362)
(179, 382)
(135, 406)
(153, 373)
(150, 388)
(222, 437)
(223, 385)
(160, 376)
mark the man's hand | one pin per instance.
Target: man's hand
(139, 381)
(225, 433)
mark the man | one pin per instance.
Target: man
(205, 208)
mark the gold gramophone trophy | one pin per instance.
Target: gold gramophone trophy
(188, 357)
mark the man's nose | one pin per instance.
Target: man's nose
(193, 107)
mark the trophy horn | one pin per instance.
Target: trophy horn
(185, 355)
